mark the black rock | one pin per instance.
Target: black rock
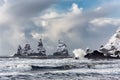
(95, 55)
(17, 55)
(99, 55)
(63, 53)
(36, 54)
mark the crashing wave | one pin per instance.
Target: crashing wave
(15, 67)
(79, 53)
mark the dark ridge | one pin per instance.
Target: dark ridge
(94, 55)
(28, 52)
(63, 67)
(99, 55)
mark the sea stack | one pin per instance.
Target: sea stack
(41, 51)
(28, 52)
(19, 51)
(62, 50)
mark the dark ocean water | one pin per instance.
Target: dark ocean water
(59, 69)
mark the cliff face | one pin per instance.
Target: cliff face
(110, 50)
(114, 43)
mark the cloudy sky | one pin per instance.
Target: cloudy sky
(79, 23)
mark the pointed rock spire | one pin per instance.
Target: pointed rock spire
(61, 49)
(41, 49)
(27, 49)
(19, 51)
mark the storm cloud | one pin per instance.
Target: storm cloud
(26, 21)
(16, 24)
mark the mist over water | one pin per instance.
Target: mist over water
(59, 69)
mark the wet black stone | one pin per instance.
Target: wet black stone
(94, 55)
(36, 54)
(99, 55)
(17, 55)
(63, 53)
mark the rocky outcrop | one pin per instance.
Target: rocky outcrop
(27, 51)
(40, 53)
(95, 55)
(113, 45)
(109, 50)
(61, 49)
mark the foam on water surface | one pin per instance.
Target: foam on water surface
(78, 69)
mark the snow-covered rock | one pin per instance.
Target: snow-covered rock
(113, 44)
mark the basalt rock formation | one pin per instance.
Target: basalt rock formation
(110, 50)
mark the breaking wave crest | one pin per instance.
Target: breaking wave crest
(56, 64)
(14, 67)
(68, 69)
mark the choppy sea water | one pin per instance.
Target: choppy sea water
(59, 69)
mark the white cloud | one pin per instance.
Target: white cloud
(15, 23)
(37, 35)
(73, 25)
(58, 23)
(50, 15)
(76, 26)
(98, 8)
(104, 22)
(75, 9)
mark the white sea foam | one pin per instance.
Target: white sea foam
(79, 53)
(14, 67)
(90, 71)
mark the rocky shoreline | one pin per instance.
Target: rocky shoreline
(99, 55)
(27, 52)
(109, 51)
